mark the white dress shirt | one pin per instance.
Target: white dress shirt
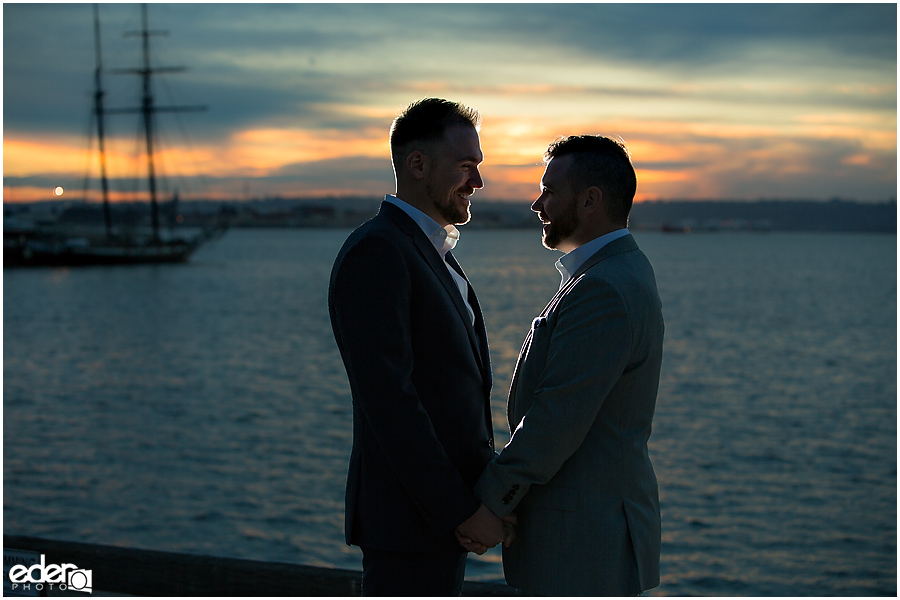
(570, 263)
(444, 240)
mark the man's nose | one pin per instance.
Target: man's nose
(537, 205)
(476, 181)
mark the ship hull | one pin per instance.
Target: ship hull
(34, 253)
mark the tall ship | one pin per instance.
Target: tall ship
(55, 243)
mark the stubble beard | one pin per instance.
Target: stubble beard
(448, 207)
(560, 228)
(454, 214)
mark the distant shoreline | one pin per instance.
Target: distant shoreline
(661, 215)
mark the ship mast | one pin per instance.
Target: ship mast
(98, 111)
(148, 109)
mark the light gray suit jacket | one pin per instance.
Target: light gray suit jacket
(577, 470)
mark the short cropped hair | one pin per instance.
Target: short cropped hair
(603, 162)
(425, 121)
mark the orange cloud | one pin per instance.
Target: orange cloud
(692, 157)
(70, 157)
(26, 194)
(260, 152)
(25, 157)
(857, 159)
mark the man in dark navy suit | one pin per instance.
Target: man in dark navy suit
(413, 341)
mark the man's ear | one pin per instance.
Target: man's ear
(592, 199)
(417, 163)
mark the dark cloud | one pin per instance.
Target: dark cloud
(229, 48)
(351, 170)
(48, 59)
(666, 165)
(307, 65)
(356, 174)
(760, 167)
(699, 35)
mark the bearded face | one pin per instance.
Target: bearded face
(453, 175)
(453, 205)
(557, 206)
(561, 226)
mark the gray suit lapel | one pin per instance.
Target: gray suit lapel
(511, 399)
(623, 244)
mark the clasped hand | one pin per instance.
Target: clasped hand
(485, 530)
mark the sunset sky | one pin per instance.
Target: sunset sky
(715, 101)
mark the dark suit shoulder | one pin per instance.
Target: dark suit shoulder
(379, 230)
(370, 251)
(377, 255)
(391, 225)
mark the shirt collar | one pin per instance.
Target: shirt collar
(443, 238)
(571, 262)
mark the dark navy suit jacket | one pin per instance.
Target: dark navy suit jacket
(420, 378)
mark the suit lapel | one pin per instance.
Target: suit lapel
(429, 253)
(511, 400)
(434, 260)
(618, 246)
(478, 332)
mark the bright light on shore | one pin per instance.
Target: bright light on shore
(58, 191)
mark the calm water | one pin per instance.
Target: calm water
(203, 407)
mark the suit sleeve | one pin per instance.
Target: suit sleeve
(371, 298)
(588, 350)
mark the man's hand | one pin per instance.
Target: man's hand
(509, 523)
(470, 545)
(484, 530)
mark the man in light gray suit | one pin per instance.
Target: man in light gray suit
(577, 471)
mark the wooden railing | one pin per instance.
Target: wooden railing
(129, 571)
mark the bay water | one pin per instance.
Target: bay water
(203, 408)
